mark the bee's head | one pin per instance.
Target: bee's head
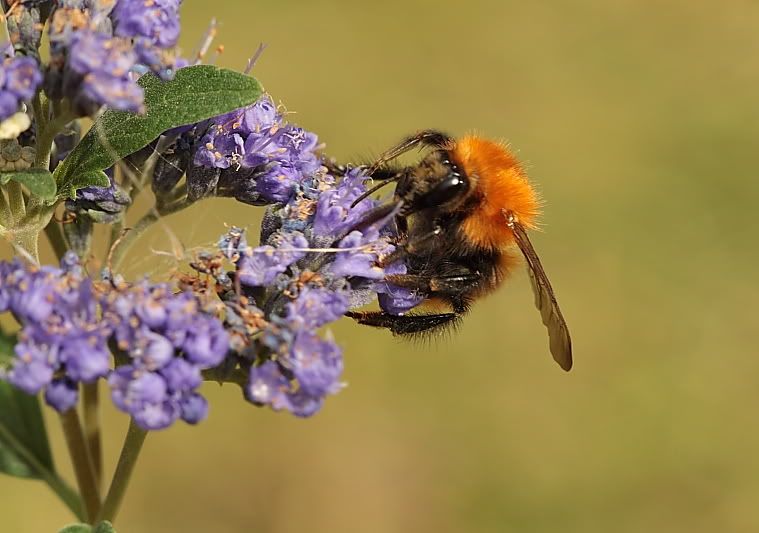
(437, 182)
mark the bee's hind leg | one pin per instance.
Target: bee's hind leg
(405, 324)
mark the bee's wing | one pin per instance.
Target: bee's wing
(545, 300)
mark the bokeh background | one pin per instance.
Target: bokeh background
(639, 122)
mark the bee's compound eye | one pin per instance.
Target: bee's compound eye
(445, 191)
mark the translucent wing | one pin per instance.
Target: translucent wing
(545, 300)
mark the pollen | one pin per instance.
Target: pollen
(502, 184)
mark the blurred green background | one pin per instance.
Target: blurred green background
(639, 122)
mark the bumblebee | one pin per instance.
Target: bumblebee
(462, 212)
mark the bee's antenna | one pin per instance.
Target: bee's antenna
(374, 189)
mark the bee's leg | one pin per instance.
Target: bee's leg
(432, 138)
(338, 169)
(401, 228)
(333, 167)
(371, 217)
(449, 287)
(404, 324)
(406, 247)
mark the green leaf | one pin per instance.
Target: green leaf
(7, 342)
(195, 94)
(104, 527)
(93, 178)
(24, 448)
(40, 182)
(77, 528)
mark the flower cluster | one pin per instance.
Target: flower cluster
(154, 29)
(317, 260)
(62, 341)
(19, 79)
(162, 340)
(251, 154)
(166, 339)
(98, 47)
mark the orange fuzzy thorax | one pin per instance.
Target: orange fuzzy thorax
(498, 177)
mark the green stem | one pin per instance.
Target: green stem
(236, 376)
(90, 397)
(82, 463)
(40, 114)
(29, 242)
(26, 232)
(66, 494)
(130, 452)
(5, 210)
(56, 238)
(16, 201)
(117, 229)
(45, 139)
(123, 245)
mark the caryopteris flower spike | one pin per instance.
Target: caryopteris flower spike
(253, 312)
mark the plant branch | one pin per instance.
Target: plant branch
(82, 463)
(16, 201)
(40, 114)
(91, 400)
(47, 136)
(56, 238)
(29, 242)
(130, 452)
(122, 246)
(5, 210)
(237, 376)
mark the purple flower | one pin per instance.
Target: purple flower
(362, 255)
(316, 363)
(261, 158)
(118, 93)
(163, 340)
(103, 64)
(170, 338)
(156, 20)
(289, 366)
(317, 306)
(61, 395)
(101, 204)
(268, 386)
(61, 334)
(86, 359)
(302, 405)
(153, 350)
(278, 183)
(398, 300)
(144, 395)
(153, 26)
(19, 79)
(8, 104)
(193, 408)
(93, 52)
(32, 296)
(181, 375)
(206, 343)
(393, 299)
(259, 266)
(334, 213)
(34, 366)
(22, 77)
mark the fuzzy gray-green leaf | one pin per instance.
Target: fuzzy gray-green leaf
(195, 94)
(40, 182)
